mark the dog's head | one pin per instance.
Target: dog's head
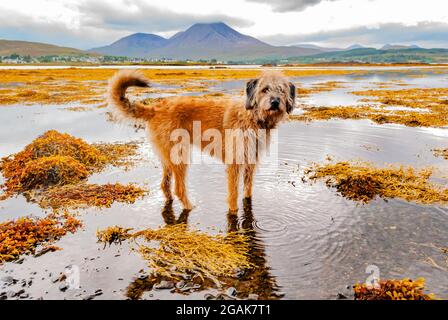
(271, 97)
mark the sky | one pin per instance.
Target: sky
(332, 23)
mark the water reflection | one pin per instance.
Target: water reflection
(254, 283)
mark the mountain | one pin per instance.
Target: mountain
(203, 41)
(372, 55)
(397, 47)
(316, 47)
(35, 49)
(135, 45)
(355, 46)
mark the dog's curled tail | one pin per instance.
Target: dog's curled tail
(116, 95)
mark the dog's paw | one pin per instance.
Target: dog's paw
(233, 210)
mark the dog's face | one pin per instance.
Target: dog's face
(271, 97)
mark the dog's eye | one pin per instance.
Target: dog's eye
(265, 90)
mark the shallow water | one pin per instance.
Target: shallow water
(309, 242)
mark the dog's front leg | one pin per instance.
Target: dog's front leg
(233, 176)
(249, 170)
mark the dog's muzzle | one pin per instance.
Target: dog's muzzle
(275, 104)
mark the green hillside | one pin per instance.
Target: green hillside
(372, 55)
(35, 49)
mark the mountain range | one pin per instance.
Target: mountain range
(201, 41)
(206, 41)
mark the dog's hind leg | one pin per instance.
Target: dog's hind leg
(165, 185)
(233, 177)
(249, 170)
(180, 173)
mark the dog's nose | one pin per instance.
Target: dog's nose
(275, 103)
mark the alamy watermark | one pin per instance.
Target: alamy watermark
(230, 146)
(373, 279)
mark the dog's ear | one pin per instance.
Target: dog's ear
(250, 93)
(292, 98)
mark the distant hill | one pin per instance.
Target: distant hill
(201, 41)
(316, 47)
(35, 49)
(397, 47)
(355, 46)
(135, 45)
(372, 55)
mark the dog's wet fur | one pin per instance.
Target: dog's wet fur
(269, 100)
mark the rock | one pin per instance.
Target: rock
(24, 296)
(98, 292)
(231, 292)
(180, 284)
(63, 287)
(209, 296)
(163, 285)
(9, 280)
(341, 296)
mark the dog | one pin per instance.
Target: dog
(269, 100)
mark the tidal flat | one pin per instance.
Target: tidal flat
(297, 240)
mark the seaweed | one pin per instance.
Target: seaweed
(363, 182)
(430, 108)
(60, 159)
(404, 289)
(113, 235)
(181, 251)
(88, 85)
(84, 194)
(53, 170)
(441, 153)
(24, 235)
(319, 87)
(437, 117)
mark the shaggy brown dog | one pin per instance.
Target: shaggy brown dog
(269, 99)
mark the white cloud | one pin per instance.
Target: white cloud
(82, 23)
(289, 5)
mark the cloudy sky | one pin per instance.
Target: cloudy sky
(334, 23)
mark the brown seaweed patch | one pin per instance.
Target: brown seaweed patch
(77, 109)
(411, 98)
(60, 159)
(113, 235)
(24, 235)
(53, 170)
(441, 153)
(320, 87)
(88, 85)
(404, 289)
(119, 154)
(364, 182)
(173, 251)
(89, 195)
(436, 117)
